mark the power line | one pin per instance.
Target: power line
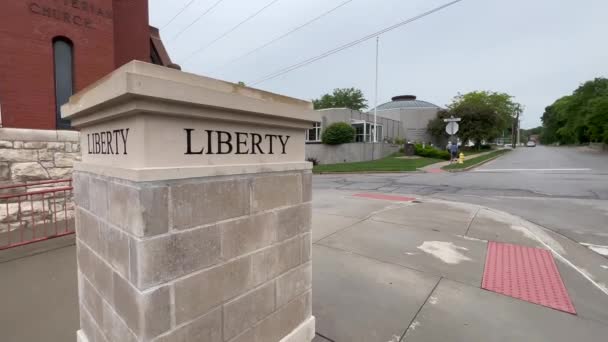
(195, 20)
(178, 13)
(283, 36)
(346, 46)
(203, 48)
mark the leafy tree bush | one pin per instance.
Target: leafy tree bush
(484, 116)
(338, 133)
(431, 152)
(342, 98)
(580, 117)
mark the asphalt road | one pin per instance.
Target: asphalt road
(560, 188)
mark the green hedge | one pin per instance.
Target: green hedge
(338, 133)
(431, 152)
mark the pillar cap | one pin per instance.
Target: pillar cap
(147, 82)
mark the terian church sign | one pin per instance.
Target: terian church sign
(75, 12)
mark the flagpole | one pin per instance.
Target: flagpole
(376, 95)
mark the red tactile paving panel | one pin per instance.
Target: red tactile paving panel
(525, 273)
(435, 171)
(386, 197)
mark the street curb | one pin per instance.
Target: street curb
(363, 172)
(476, 165)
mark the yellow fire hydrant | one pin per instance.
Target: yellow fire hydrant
(461, 158)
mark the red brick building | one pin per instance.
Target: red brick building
(51, 49)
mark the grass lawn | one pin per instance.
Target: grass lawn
(474, 161)
(390, 163)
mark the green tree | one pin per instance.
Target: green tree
(580, 117)
(342, 98)
(484, 116)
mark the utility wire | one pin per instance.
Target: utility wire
(353, 43)
(282, 36)
(205, 47)
(195, 20)
(178, 13)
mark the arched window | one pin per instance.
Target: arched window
(63, 59)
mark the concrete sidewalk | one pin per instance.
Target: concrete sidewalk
(412, 271)
(383, 271)
(434, 168)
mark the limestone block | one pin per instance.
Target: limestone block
(199, 293)
(115, 328)
(147, 212)
(28, 134)
(293, 220)
(96, 270)
(307, 186)
(206, 328)
(89, 327)
(306, 247)
(45, 155)
(280, 323)
(87, 229)
(68, 135)
(270, 192)
(63, 159)
(68, 147)
(294, 283)
(202, 203)
(109, 242)
(56, 146)
(90, 298)
(6, 144)
(18, 156)
(34, 145)
(245, 311)
(98, 197)
(60, 172)
(75, 147)
(80, 182)
(157, 260)
(5, 171)
(147, 314)
(18, 144)
(277, 260)
(11, 212)
(247, 235)
(23, 172)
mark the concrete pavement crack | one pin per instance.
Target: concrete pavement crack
(402, 339)
(471, 222)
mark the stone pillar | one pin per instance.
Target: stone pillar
(193, 210)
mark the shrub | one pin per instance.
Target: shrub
(399, 141)
(313, 160)
(431, 152)
(338, 133)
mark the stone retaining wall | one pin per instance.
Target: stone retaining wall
(28, 156)
(33, 155)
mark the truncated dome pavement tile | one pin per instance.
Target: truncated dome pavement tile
(525, 273)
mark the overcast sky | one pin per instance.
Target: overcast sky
(535, 50)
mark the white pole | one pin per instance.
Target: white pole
(376, 95)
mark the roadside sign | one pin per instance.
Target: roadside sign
(452, 119)
(452, 127)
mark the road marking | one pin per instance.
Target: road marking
(526, 170)
(603, 250)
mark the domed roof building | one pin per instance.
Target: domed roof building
(406, 101)
(413, 114)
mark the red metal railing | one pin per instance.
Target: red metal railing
(35, 212)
